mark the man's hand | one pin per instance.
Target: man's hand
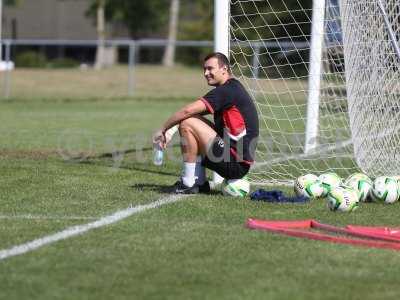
(160, 139)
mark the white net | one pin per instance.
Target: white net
(270, 54)
(372, 56)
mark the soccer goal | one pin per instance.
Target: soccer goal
(325, 76)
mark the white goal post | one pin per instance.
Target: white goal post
(221, 44)
(325, 77)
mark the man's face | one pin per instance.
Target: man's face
(214, 74)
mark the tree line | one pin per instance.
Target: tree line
(173, 19)
(180, 19)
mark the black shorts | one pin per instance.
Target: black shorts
(220, 159)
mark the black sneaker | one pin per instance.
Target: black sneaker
(205, 188)
(180, 188)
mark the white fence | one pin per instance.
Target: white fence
(133, 47)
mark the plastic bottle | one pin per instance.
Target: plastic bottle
(158, 151)
(158, 154)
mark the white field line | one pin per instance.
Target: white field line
(80, 229)
(44, 217)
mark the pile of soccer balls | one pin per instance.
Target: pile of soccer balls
(345, 195)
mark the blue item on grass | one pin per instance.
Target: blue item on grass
(276, 196)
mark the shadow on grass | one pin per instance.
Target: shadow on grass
(165, 189)
(103, 159)
(113, 154)
(127, 151)
(146, 187)
(143, 169)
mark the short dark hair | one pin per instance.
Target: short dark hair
(223, 61)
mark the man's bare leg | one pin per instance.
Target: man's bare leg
(196, 135)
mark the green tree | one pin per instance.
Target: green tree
(11, 2)
(169, 53)
(141, 17)
(294, 12)
(101, 34)
(5, 2)
(196, 23)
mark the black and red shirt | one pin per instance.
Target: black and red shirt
(235, 116)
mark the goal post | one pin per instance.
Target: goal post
(221, 44)
(317, 38)
(221, 26)
(324, 75)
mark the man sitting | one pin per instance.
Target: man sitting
(226, 146)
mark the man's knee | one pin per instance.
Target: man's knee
(203, 133)
(190, 123)
(186, 125)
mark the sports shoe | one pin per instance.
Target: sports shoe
(205, 188)
(180, 188)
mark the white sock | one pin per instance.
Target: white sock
(200, 172)
(188, 177)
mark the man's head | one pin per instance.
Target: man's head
(216, 69)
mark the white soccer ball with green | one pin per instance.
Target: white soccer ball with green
(385, 189)
(361, 183)
(397, 178)
(343, 198)
(309, 186)
(329, 181)
(236, 187)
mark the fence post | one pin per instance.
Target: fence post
(131, 68)
(256, 61)
(7, 71)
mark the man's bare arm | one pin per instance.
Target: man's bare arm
(195, 108)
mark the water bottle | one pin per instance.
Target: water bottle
(158, 154)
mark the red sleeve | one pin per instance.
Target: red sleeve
(217, 99)
(208, 105)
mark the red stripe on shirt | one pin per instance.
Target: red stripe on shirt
(208, 105)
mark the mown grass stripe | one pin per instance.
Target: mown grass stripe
(80, 229)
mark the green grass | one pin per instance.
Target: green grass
(148, 81)
(59, 168)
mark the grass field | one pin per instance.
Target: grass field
(69, 161)
(148, 81)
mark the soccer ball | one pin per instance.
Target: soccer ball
(343, 198)
(329, 181)
(236, 187)
(397, 178)
(361, 183)
(385, 189)
(315, 190)
(309, 186)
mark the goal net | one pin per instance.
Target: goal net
(325, 78)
